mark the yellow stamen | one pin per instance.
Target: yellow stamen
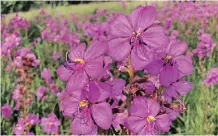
(175, 106)
(79, 60)
(168, 57)
(150, 118)
(83, 103)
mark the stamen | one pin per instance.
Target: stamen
(175, 106)
(79, 60)
(168, 57)
(83, 103)
(150, 118)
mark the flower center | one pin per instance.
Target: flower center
(83, 103)
(79, 60)
(168, 58)
(150, 118)
(19, 127)
(136, 33)
(175, 106)
(50, 123)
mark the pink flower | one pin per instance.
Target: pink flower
(56, 55)
(6, 111)
(46, 75)
(212, 77)
(50, 124)
(136, 35)
(84, 64)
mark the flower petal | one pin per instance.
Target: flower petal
(176, 48)
(183, 87)
(64, 73)
(70, 105)
(102, 114)
(143, 17)
(171, 92)
(155, 37)
(78, 52)
(135, 124)
(82, 125)
(94, 67)
(163, 122)
(153, 107)
(121, 27)
(118, 86)
(155, 67)
(77, 81)
(99, 91)
(168, 74)
(140, 57)
(96, 49)
(184, 65)
(139, 107)
(119, 48)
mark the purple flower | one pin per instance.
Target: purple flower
(118, 119)
(170, 63)
(32, 119)
(20, 127)
(17, 95)
(136, 34)
(56, 55)
(25, 56)
(145, 119)
(181, 86)
(11, 41)
(88, 107)
(50, 124)
(205, 46)
(117, 86)
(212, 77)
(46, 75)
(84, 64)
(18, 22)
(149, 87)
(40, 92)
(6, 111)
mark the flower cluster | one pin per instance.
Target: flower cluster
(24, 125)
(205, 47)
(212, 77)
(94, 97)
(108, 73)
(11, 41)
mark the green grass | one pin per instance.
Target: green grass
(79, 9)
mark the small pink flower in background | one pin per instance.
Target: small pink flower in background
(32, 119)
(40, 92)
(212, 77)
(46, 75)
(11, 41)
(123, 4)
(6, 111)
(56, 55)
(50, 124)
(20, 127)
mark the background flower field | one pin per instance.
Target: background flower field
(195, 23)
